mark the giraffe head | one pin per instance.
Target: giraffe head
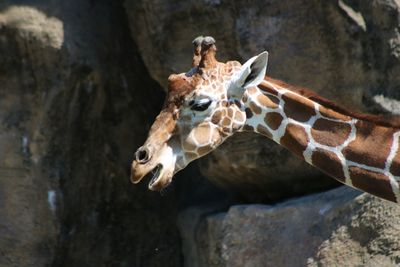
(203, 107)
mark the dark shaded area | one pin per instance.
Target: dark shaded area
(105, 220)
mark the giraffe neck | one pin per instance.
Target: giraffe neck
(356, 152)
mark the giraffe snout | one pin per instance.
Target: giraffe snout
(139, 168)
(138, 171)
(142, 155)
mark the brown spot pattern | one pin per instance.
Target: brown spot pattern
(330, 133)
(215, 136)
(216, 118)
(230, 112)
(256, 109)
(236, 126)
(249, 113)
(273, 119)
(226, 121)
(298, 108)
(266, 101)
(252, 90)
(191, 156)
(203, 150)
(329, 163)
(224, 103)
(329, 113)
(239, 116)
(189, 146)
(274, 99)
(248, 128)
(295, 139)
(266, 88)
(225, 132)
(371, 146)
(202, 133)
(237, 102)
(395, 167)
(372, 182)
(264, 131)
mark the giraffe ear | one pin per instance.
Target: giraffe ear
(251, 74)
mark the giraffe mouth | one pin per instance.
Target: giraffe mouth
(156, 174)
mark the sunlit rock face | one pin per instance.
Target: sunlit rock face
(339, 227)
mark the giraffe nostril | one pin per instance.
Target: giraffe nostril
(142, 155)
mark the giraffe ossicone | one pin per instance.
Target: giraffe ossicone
(214, 100)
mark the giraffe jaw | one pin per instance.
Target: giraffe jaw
(156, 171)
(161, 176)
(161, 167)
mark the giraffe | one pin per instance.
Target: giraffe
(214, 100)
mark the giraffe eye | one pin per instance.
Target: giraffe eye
(200, 105)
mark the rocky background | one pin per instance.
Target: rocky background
(81, 82)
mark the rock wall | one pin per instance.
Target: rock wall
(336, 228)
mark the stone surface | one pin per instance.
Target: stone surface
(28, 225)
(338, 228)
(345, 50)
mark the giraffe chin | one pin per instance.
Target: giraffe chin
(156, 174)
(160, 179)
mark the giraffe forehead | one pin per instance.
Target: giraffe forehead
(211, 88)
(215, 81)
(209, 82)
(217, 74)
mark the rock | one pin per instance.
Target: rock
(383, 43)
(338, 228)
(350, 55)
(29, 40)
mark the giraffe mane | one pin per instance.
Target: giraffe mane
(391, 121)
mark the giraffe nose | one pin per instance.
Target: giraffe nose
(142, 155)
